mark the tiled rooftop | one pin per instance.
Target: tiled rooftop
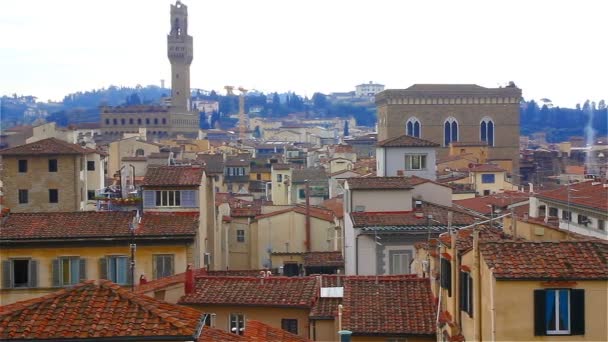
(564, 260)
(388, 305)
(486, 168)
(329, 259)
(483, 204)
(406, 141)
(316, 212)
(585, 194)
(464, 240)
(212, 163)
(45, 147)
(96, 310)
(274, 291)
(173, 176)
(91, 224)
(256, 331)
(384, 183)
(327, 307)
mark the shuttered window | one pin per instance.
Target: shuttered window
(19, 273)
(188, 198)
(116, 269)
(446, 275)
(559, 312)
(68, 271)
(466, 293)
(163, 265)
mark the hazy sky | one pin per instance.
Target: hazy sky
(553, 49)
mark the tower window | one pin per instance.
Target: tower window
(450, 131)
(115, 121)
(412, 127)
(147, 121)
(130, 121)
(139, 121)
(486, 131)
(156, 121)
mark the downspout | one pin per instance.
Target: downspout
(476, 287)
(307, 216)
(357, 254)
(492, 307)
(440, 291)
(340, 308)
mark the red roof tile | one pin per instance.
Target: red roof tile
(271, 291)
(372, 183)
(316, 212)
(216, 335)
(96, 310)
(321, 259)
(173, 176)
(588, 194)
(464, 239)
(327, 307)
(46, 147)
(486, 168)
(388, 305)
(412, 218)
(90, 224)
(336, 205)
(563, 260)
(257, 331)
(406, 141)
(483, 204)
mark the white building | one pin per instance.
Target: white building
(406, 156)
(368, 89)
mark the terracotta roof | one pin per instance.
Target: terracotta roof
(91, 224)
(159, 155)
(274, 291)
(388, 305)
(240, 160)
(180, 278)
(584, 194)
(314, 176)
(563, 260)
(486, 168)
(46, 147)
(327, 307)
(448, 159)
(212, 163)
(281, 166)
(173, 176)
(336, 205)
(216, 335)
(316, 212)
(468, 143)
(575, 170)
(415, 180)
(256, 331)
(384, 183)
(92, 310)
(464, 240)
(406, 141)
(411, 218)
(323, 259)
(483, 204)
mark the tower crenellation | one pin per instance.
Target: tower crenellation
(180, 53)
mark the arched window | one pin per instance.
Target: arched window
(486, 131)
(147, 121)
(450, 131)
(130, 121)
(164, 121)
(156, 121)
(412, 127)
(115, 121)
(122, 121)
(139, 121)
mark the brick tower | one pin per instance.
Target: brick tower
(180, 52)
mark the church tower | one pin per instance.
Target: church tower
(179, 50)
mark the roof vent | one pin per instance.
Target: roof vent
(418, 204)
(36, 147)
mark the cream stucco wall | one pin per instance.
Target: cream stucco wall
(126, 148)
(382, 200)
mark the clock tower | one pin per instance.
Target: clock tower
(179, 51)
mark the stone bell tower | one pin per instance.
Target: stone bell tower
(179, 50)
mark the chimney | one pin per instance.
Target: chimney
(189, 284)
(142, 280)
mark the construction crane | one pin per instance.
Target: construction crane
(242, 115)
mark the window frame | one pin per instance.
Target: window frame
(420, 161)
(54, 196)
(53, 165)
(158, 257)
(287, 324)
(575, 312)
(239, 323)
(23, 196)
(582, 220)
(566, 216)
(90, 165)
(485, 176)
(466, 293)
(446, 276)
(487, 131)
(115, 258)
(168, 198)
(22, 165)
(557, 303)
(240, 235)
(31, 273)
(61, 270)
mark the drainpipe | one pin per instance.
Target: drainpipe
(476, 287)
(307, 216)
(357, 254)
(492, 307)
(340, 308)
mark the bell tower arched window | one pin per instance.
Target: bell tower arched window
(450, 131)
(413, 127)
(486, 131)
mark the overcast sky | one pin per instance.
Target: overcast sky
(553, 49)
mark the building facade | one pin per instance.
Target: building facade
(446, 113)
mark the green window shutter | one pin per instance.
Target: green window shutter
(33, 273)
(55, 270)
(539, 313)
(83, 269)
(103, 268)
(169, 265)
(155, 267)
(6, 274)
(577, 311)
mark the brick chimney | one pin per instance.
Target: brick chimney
(189, 283)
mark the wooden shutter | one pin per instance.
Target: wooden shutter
(149, 198)
(470, 294)
(129, 273)
(188, 198)
(155, 266)
(577, 311)
(6, 274)
(82, 269)
(539, 313)
(168, 267)
(33, 273)
(103, 268)
(55, 281)
(463, 292)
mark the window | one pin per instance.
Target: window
(486, 192)
(139, 121)
(412, 127)
(486, 131)
(601, 225)
(582, 219)
(168, 198)
(400, 262)
(122, 122)
(209, 319)
(147, 121)
(22, 165)
(52, 165)
(302, 193)
(553, 211)
(240, 235)
(107, 121)
(488, 178)
(115, 122)
(566, 215)
(156, 121)
(19, 273)
(237, 323)
(258, 176)
(130, 121)
(415, 161)
(91, 195)
(116, 269)
(23, 196)
(139, 152)
(164, 121)
(53, 196)
(163, 265)
(446, 276)
(279, 177)
(559, 312)
(68, 271)
(450, 131)
(290, 325)
(466, 293)
(90, 165)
